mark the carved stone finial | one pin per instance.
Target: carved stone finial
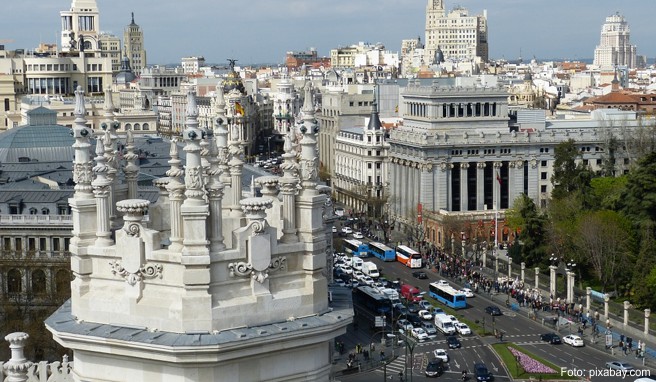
(134, 211)
(17, 366)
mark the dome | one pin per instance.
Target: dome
(233, 81)
(439, 56)
(125, 75)
(528, 76)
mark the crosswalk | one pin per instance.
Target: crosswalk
(394, 367)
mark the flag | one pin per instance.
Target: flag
(499, 178)
(239, 109)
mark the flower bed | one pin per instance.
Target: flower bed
(529, 364)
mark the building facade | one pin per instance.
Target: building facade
(615, 47)
(134, 48)
(461, 37)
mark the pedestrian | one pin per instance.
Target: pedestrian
(382, 355)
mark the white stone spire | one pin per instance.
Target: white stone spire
(309, 161)
(176, 196)
(131, 168)
(192, 136)
(82, 166)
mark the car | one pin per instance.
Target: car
(420, 275)
(481, 373)
(425, 315)
(453, 342)
(358, 275)
(419, 334)
(404, 324)
(413, 308)
(334, 229)
(414, 319)
(437, 311)
(430, 329)
(493, 310)
(551, 338)
(400, 310)
(347, 230)
(443, 283)
(441, 354)
(462, 328)
(453, 319)
(434, 368)
(358, 235)
(366, 280)
(425, 305)
(467, 292)
(619, 365)
(573, 340)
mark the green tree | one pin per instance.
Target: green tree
(639, 201)
(525, 217)
(569, 177)
(607, 191)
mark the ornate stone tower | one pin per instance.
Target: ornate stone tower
(203, 289)
(134, 49)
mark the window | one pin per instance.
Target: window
(543, 163)
(543, 175)
(45, 211)
(42, 244)
(369, 166)
(543, 188)
(145, 127)
(38, 282)
(14, 281)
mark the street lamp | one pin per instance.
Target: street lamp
(269, 146)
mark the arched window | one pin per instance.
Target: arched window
(128, 126)
(137, 126)
(39, 282)
(33, 211)
(14, 281)
(145, 127)
(63, 282)
(45, 211)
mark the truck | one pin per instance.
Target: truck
(356, 263)
(370, 269)
(444, 324)
(410, 293)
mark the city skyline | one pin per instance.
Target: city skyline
(231, 30)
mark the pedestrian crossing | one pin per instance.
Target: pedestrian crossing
(394, 367)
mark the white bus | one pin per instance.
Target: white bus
(408, 256)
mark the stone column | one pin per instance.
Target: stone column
(131, 169)
(647, 313)
(215, 190)
(16, 368)
(537, 278)
(101, 187)
(496, 265)
(522, 267)
(552, 280)
(509, 268)
(606, 299)
(627, 306)
(464, 196)
(289, 188)
(176, 197)
(588, 293)
(485, 257)
(236, 165)
(570, 287)
(480, 187)
(497, 189)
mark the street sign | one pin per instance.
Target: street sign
(380, 321)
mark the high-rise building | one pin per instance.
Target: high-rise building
(81, 27)
(461, 37)
(614, 47)
(134, 50)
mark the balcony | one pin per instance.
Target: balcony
(52, 220)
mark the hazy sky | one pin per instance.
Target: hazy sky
(255, 31)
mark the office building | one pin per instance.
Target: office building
(615, 47)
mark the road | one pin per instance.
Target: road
(518, 329)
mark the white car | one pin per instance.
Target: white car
(358, 275)
(573, 340)
(441, 354)
(425, 315)
(467, 292)
(425, 305)
(419, 334)
(463, 329)
(347, 230)
(453, 319)
(358, 235)
(404, 324)
(334, 229)
(367, 280)
(346, 269)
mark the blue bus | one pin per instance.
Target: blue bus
(369, 303)
(356, 248)
(382, 251)
(447, 295)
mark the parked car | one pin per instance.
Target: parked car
(619, 365)
(414, 319)
(404, 324)
(493, 310)
(425, 315)
(453, 342)
(434, 368)
(347, 230)
(425, 305)
(441, 354)
(573, 340)
(481, 373)
(430, 329)
(419, 334)
(463, 329)
(358, 235)
(551, 338)
(437, 311)
(420, 275)
(413, 308)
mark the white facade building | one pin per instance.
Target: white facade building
(615, 47)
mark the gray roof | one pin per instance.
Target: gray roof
(43, 143)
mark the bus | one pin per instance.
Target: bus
(382, 251)
(369, 303)
(408, 256)
(356, 248)
(447, 295)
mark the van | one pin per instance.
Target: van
(410, 293)
(356, 263)
(370, 269)
(392, 294)
(444, 324)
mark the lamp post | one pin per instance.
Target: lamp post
(409, 344)
(269, 146)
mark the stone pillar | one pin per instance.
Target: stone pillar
(236, 165)
(647, 313)
(522, 268)
(509, 268)
(588, 294)
(215, 190)
(485, 257)
(496, 265)
(16, 368)
(497, 190)
(176, 197)
(131, 169)
(552, 280)
(606, 299)
(537, 278)
(480, 194)
(464, 196)
(101, 187)
(627, 306)
(570, 287)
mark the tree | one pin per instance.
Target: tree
(639, 201)
(525, 217)
(568, 176)
(604, 239)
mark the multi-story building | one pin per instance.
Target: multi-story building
(135, 51)
(615, 47)
(363, 55)
(361, 172)
(295, 60)
(110, 46)
(461, 37)
(192, 65)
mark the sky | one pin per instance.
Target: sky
(262, 31)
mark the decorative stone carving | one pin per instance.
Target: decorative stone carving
(255, 208)
(134, 210)
(17, 366)
(147, 271)
(243, 269)
(480, 165)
